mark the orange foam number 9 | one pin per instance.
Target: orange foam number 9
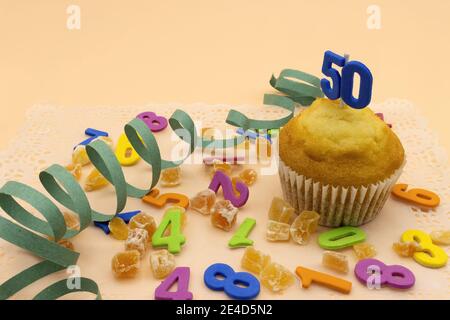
(176, 198)
(125, 152)
(431, 255)
(418, 196)
(309, 276)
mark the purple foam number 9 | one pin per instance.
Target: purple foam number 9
(395, 276)
(180, 275)
(154, 122)
(221, 179)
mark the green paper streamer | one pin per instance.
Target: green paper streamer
(63, 187)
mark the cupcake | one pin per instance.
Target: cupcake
(339, 161)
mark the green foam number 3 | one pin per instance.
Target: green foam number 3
(341, 238)
(173, 241)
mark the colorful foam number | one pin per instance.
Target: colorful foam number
(175, 239)
(154, 122)
(125, 216)
(157, 200)
(340, 238)
(220, 179)
(394, 276)
(240, 238)
(417, 196)
(125, 152)
(308, 276)
(343, 85)
(180, 276)
(431, 255)
(237, 285)
(93, 134)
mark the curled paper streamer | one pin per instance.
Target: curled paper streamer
(63, 187)
(303, 91)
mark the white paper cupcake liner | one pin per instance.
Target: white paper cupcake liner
(337, 206)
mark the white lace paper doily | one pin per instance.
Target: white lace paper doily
(50, 132)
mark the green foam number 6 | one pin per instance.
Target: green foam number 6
(341, 238)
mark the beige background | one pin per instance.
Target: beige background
(133, 52)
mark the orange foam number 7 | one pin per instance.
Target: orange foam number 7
(418, 196)
(309, 276)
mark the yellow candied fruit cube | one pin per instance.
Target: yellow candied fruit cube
(75, 170)
(80, 156)
(441, 237)
(171, 177)
(137, 240)
(126, 264)
(95, 181)
(248, 176)
(72, 221)
(335, 260)
(364, 250)
(254, 260)
(277, 231)
(218, 165)
(144, 221)
(276, 277)
(162, 263)
(119, 229)
(406, 249)
(281, 211)
(203, 201)
(304, 226)
(224, 215)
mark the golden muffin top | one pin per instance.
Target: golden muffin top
(340, 145)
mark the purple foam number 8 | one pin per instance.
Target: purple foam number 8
(154, 122)
(395, 276)
(221, 179)
(180, 275)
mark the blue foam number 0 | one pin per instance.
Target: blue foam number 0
(343, 87)
(237, 285)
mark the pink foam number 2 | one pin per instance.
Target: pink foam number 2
(154, 122)
(221, 179)
(180, 275)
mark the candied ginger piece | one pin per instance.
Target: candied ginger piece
(66, 244)
(277, 231)
(144, 221)
(276, 277)
(248, 176)
(235, 180)
(72, 221)
(204, 201)
(171, 177)
(406, 249)
(364, 250)
(162, 263)
(254, 260)
(75, 170)
(95, 181)
(335, 260)
(224, 215)
(219, 165)
(304, 225)
(441, 237)
(126, 264)
(281, 211)
(118, 228)
(80, 156)
(137, 240)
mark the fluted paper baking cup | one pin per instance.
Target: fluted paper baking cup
(337, 206)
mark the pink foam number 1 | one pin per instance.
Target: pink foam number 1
(221, 179)
(180, 275)
(154, 122)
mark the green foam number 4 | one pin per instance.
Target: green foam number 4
(341, 238)
(240, 238)
(173, 241)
